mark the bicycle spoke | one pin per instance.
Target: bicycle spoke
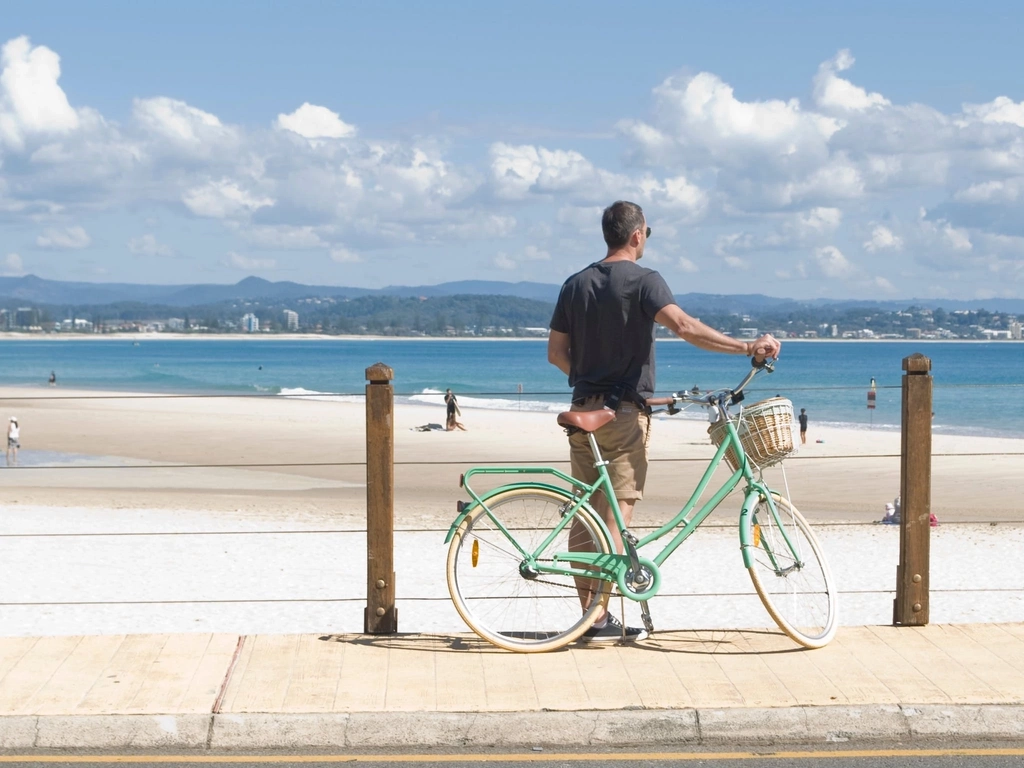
(503, 601)
(790, 574)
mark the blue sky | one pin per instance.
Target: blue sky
(868, 151)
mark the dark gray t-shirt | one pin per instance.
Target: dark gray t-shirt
(608, 311)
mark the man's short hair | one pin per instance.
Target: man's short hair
(620, 220)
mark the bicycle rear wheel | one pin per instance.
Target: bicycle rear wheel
(507, 604)
(790, 573)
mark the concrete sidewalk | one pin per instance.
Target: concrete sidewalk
(712, 687)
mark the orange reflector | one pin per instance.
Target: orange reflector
(757, 538)
(476, 551)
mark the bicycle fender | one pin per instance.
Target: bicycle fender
(754, 495)
(466, 507)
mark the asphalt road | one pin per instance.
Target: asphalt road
(843, 756)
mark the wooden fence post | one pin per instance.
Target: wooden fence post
(910, 607)
(380, 616)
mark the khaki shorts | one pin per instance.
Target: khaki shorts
(623, 445)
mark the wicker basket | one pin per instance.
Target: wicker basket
(765, 430)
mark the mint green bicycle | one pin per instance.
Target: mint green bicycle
(530, 563)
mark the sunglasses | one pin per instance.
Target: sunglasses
(648, 232)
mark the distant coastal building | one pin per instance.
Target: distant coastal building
(250, 323)
(76, 324)
(291, 320)
(175, 324)
(26, 317)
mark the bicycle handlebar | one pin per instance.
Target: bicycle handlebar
(717, 396)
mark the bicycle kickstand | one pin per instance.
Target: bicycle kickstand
(630, 542)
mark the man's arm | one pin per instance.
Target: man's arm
(558, 351)
(692, 330)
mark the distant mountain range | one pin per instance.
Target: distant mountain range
(35, 290)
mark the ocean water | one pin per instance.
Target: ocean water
(978, 387)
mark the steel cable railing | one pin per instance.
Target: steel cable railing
(439, 531)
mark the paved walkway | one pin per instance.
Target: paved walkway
(223, 691)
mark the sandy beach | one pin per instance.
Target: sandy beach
(136, 440)
(129, 510)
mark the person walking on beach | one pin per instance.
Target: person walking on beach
(452, 422)
(602, 337)
(13, 441)
(803, 426)
(53, 379)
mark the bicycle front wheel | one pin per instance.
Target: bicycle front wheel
(506, 602)
(790, 573)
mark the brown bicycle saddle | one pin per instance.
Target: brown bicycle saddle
(587, 421)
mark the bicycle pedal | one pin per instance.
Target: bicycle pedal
(645, 616)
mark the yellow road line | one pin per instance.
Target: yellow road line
(528, 757)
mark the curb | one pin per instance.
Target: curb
(590, 728)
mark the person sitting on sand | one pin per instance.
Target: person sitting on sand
(13, 441)
(452, 422)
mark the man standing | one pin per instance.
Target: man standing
(602, 338)
(803, 426)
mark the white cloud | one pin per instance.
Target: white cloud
(179, 123)
(883, 284)
(148, 245)
(701, 113)
(477, 227)
(832, 263)
(957, 239)
(530, 253)
(223, 198)
(1004, 191)
(883, 239)
(13, 266)
(685, 265)
(502, 261)
(761, 172)
(533, 253)
(791, 230)
(736, 241)
(735, 262)
(315, 122)
(238, 261)
(70, 238)
(833, 92)
(517, 172)
(817, 221)
(675, 194)
(999, 110)
(343, 255)
(31, 101)
(282, 237)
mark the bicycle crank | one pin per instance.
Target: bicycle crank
(641, 582)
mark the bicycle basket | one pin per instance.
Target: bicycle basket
(765, 430)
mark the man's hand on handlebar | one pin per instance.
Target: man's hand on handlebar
(765, 347)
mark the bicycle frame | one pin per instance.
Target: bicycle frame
(614, 567)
